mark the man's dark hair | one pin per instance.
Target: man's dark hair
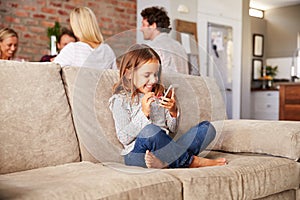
(65, 31)
(159, 16)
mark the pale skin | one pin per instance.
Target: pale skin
(8, 47)
(145, 78)
(149, 31)
(64, 40)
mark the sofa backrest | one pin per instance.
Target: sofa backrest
(36, 127)
(89, 91)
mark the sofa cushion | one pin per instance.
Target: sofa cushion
(285, 195)
(278, 138)
(244, 177)
(198, 98)
(86, 180)
(89, 91)
(36, 127)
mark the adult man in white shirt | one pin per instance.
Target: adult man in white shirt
(155, 28)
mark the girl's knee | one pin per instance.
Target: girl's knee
(208, 127)
(204, 123)
(149, 131)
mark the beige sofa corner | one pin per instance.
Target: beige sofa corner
(47, 114)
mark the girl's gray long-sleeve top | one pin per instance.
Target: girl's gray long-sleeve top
(130, 120)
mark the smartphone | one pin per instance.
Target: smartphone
(168, 93)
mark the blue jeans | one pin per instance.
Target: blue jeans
(177, 154)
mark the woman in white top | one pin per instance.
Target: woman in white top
(90, 50)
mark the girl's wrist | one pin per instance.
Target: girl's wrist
(174, 113)
(146, 114)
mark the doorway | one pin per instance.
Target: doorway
(220, 60)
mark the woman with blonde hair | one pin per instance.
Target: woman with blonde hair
(8, 43)
(90, 50)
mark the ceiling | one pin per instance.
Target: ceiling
(270, 4)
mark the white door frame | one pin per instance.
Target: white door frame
(202, 25)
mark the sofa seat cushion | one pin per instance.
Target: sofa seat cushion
(86, 180)
(36, 127)
(244, 177)
(285, 195)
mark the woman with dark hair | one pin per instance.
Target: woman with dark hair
(66, 36)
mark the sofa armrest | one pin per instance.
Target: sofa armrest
(277, 138)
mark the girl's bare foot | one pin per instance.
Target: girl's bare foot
(204, 162)
(153, 162)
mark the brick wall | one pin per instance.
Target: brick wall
(31, 18)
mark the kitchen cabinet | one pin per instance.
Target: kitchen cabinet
(289, 101)
(265, 104)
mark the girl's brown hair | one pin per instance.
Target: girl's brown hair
(135, 57)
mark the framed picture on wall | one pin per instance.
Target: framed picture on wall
(258, 45)
(257, 66)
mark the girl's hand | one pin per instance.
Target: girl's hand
(146, 102)
(170, 104)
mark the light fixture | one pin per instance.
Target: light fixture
(256, 13)
(182, 8)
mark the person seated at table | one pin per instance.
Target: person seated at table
(64, 38)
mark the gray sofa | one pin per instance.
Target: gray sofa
(49, 150)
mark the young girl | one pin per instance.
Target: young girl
(144, 118)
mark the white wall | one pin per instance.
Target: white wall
(192, 8)
(246, 63)
(228, 13)
(284, 66)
